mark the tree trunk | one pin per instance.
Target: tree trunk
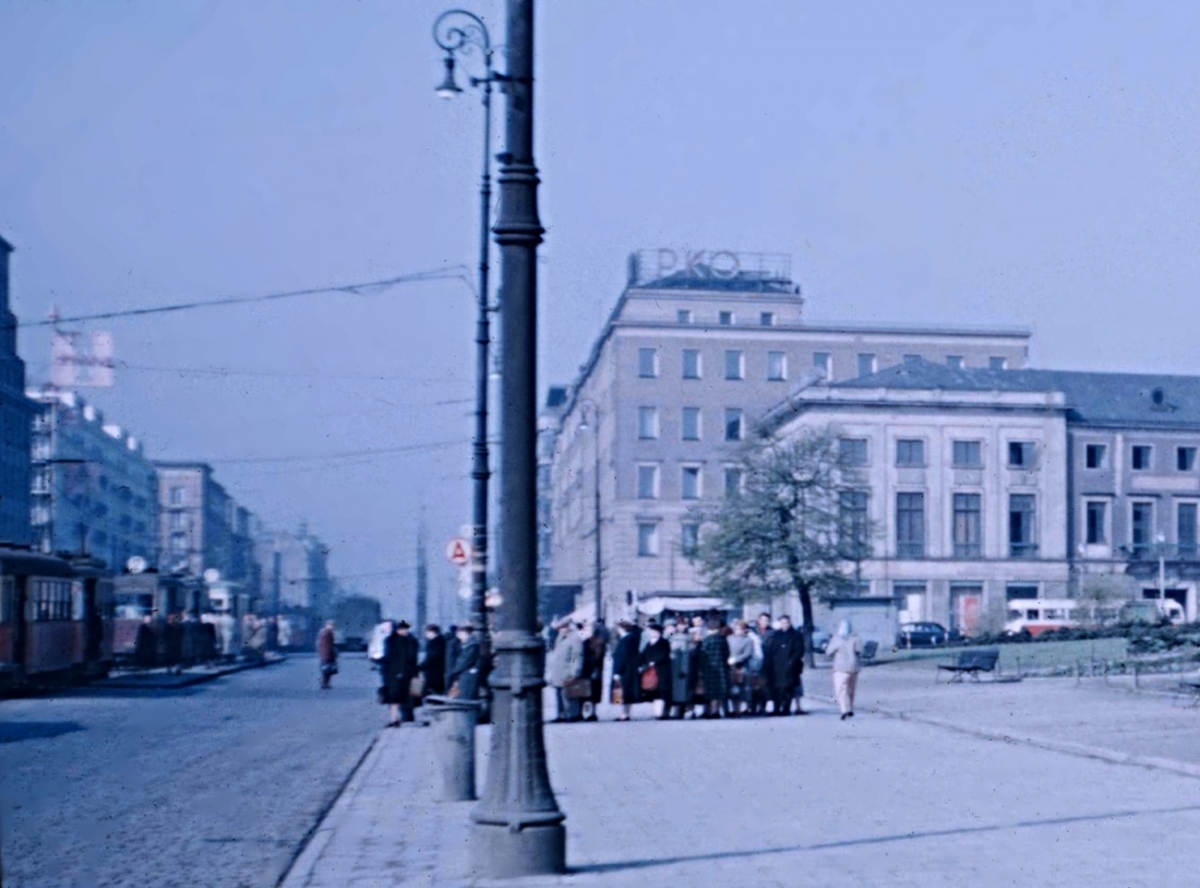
(806, 611)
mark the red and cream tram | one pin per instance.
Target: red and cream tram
(45, 633)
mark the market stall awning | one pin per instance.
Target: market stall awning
(658, 604)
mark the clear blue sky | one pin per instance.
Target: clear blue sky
(1027, 163)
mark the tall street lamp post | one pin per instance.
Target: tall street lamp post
(585, 406)
(518, 828)
(462, 33)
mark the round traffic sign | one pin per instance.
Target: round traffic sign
(458, 551)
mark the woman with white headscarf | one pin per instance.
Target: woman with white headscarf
(845, 649)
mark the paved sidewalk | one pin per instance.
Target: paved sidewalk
(781, 802)
(164, 679)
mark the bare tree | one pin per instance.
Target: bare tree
(791, 527)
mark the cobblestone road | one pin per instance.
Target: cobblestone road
(213, 786)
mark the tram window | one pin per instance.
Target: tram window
(51, 600)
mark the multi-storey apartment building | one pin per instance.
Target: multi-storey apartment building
(16, 411)
(93, 490)
(962, 487)
(694, 353)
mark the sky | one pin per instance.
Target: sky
(1025, 163)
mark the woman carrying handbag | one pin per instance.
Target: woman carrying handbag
(654, 664)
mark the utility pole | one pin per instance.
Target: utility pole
(518, 828)
(422, 586)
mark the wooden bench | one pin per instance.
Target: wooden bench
(970, 663)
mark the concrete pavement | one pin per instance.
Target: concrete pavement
(814, 800)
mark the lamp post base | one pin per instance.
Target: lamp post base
(499, 852)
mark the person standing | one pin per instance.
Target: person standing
(463, 679)
(625, 665)
(784, 661)
(453, 647)
(564, 664)
(654, 668)
(741, 652)
(433, 666)
(714, 669)
(401, 653)
(145, 644)
(327, 654)
(845, 650)
(680, 643)
(594, 649)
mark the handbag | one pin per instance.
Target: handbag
(578, 689)
(381, 695)
(649, 679)
(618, 695)
(416, 687)
(738, 675)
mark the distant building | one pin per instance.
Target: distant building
(295, 567)
(697, 349)
(93, 490)
(16, 412)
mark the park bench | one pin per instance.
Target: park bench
(970, 663)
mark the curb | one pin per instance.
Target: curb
(306, 844)
(1080, 750)
(182, 681)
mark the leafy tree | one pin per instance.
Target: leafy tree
(791, 527)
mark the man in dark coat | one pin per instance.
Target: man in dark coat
(453, 646)
(465, 672)
(400, 655)
(656, 655)
(145, 644)
(783, 661)
(625, 665)
(433, 667)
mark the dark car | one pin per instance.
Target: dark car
(352, 644)
(913, 635)
(820, 640)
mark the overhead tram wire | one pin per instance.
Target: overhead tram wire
(330, 457)
(453, 272)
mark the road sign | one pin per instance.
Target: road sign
(458, 551)
(136, 564)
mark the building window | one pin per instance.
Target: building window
(1020, 591)
(647, 539)
(647, 363)
(647, 423)
(997, 363)
(735, 364)
(852, 451)
(725, 318)
(691, 363)
(968, 525)
(733, 424)
(1094, 456)
(683, 316)
(910, 452)
(176, 496)
(1021, 454)
(1141, 528)
(852, 514)
(1140, 457)
(647, 482)
(690, 483)
(1096, 532)
(1185, 530)
(955, 361)
(178, 521)
(689, 539)
(1022, 533)
(910, 525)
(767, 319)
(691, 423)
(866, 364)
(823, 365)
(1185, 458)
(733, 481)
(911, 359)
(776, 366)
(968, 455)
(178, 544)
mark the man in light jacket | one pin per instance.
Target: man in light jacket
(564, 663)
(845, 650)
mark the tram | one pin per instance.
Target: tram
(52, 619)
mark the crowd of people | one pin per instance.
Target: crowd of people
(178, 642)
(695, 668)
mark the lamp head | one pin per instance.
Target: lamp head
(449, 88)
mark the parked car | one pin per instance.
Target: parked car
(820, 640)
(352, 643)
(913, 635)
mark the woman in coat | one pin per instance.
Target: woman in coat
(594, 649)
(741, 653)
(714, 669)
(625, 665)
(656, 656)
(681, 668)
(400, 655)
(433, 667)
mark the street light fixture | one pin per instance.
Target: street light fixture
(459, 32)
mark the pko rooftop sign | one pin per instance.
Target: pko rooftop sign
(696, 268)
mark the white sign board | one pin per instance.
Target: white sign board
(458, 551)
